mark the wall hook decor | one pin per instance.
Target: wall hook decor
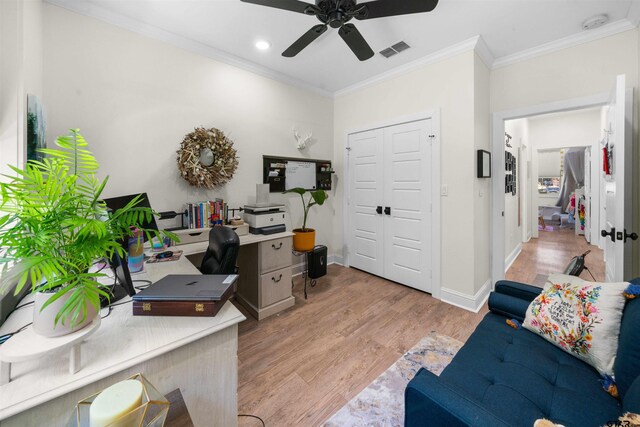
(508, 140)
(301, 142)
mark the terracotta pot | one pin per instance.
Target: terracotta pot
(44, 321)
(304, 241)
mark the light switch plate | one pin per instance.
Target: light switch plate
(444, 190)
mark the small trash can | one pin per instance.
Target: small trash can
(317, 262)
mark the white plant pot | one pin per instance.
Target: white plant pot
(44, 320)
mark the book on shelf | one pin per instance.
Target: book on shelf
(206, 213)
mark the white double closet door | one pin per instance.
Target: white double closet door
(389, 203)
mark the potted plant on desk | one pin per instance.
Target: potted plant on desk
(55, 228)
(304, 238)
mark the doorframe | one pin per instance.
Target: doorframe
(434, 116)
(498, 173)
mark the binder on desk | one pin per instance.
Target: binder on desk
(185, 295)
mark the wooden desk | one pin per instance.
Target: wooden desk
(198, 355)
(264, 286)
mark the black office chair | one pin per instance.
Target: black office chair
(222, 252)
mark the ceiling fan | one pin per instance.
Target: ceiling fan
(337, 14)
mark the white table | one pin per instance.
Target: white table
(198, 355)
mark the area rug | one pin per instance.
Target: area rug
(382, 402)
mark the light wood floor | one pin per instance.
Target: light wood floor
(298, 368)
(551, 253)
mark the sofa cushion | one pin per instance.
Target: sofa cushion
(631, 401)
(627, 367)
(582, 318)
(520, 377)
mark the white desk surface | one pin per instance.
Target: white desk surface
(247, 239)
(122, 341)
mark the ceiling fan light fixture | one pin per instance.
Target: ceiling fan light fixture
(263, 45)
(595, 22)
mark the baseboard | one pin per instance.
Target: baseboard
(297, 269)
(512, 257)
(470, 303)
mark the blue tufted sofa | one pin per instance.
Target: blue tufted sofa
(508, 377)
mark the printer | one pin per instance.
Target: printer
(265, 219)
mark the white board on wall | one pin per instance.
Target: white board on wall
(300, 174)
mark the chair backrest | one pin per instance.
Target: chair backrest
(627, 366)
(222, 252)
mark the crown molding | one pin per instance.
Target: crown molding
(566, 42)
(153, 32)
(483, 51)
(634, 13)
(438, 56)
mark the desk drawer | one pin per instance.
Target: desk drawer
(275, 254)
(275, 286)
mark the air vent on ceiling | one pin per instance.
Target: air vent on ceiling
(394, 50)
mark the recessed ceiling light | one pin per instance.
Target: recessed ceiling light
(263, 45)
(595, 22)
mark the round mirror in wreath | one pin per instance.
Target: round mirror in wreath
(207, 158)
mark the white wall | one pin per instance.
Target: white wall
(135, 98)
(513, 218)
(448, 86)
(482, 188)
(20, 73)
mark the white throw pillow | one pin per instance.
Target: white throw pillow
(582, 318)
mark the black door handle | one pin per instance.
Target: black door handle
(379, 210)
(612, 233)
(387, 210)
(632, 236)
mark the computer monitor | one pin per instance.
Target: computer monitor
(115, 203)
(124, 284)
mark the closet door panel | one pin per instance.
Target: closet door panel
(407, 192)
(365, 195)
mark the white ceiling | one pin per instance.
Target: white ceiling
(228, 29)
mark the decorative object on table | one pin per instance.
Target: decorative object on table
(206, 158)
(382, 402)
(36, 128)
(301, 141)
(54, 229)
(136, 252)
(304, 238)
(134, 402)
(484, 164)
(161, 257)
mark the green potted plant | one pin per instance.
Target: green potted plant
(304, 238)
(55, 228)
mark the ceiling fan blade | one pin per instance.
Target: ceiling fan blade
(292, 5)
(304, 41)
(355, 41)
(382, 8)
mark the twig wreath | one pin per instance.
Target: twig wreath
(207, 158)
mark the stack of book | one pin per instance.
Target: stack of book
(206, 214)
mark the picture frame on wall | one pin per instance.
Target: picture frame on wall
(484, 164)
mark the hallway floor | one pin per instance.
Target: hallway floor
(551, 253)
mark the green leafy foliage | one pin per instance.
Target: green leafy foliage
(317, 197)
(55, 227)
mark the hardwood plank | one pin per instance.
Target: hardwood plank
(301, 366)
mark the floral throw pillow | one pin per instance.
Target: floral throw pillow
(582, 318)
